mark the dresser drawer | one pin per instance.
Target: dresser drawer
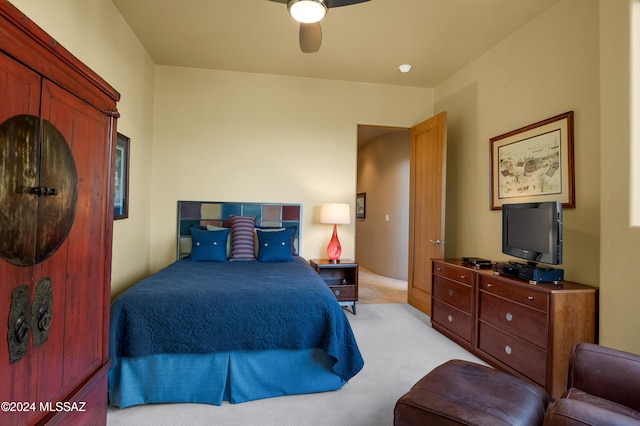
(453, 293)
(454, 272)
(345, 292)
(452, 319)
(530, 297)
(529, 324)
(517, 354)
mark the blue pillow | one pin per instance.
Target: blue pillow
(219, 228)
(209, 246)
(280, 228)
(274, 246)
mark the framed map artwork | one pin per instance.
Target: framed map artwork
(534, 164)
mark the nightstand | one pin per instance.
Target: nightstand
(342, 279)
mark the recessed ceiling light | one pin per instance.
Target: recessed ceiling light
(405, 68)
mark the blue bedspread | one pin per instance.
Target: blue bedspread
(206, 307)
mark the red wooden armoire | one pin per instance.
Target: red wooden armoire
(57, 139)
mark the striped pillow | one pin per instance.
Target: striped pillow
(242, 243)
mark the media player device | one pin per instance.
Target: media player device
(530, 273)
(477, 261)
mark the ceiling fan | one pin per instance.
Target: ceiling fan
(309, 13)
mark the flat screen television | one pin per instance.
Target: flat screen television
(533, 232)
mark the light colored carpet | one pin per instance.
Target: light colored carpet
(399, 347)
(373, 288)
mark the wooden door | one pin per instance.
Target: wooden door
(77, 269)
(18, 379)
(427, 184)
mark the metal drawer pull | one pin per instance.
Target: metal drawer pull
(509, 316)
(450, 292)
(530, 297)
(337, 292)
(489, 285)
(462, 277)
(438, 269)
(507, 349)
(450, 318)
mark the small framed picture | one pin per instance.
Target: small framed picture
(121, 179)
(361, 205)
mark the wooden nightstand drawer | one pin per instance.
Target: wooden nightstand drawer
(454, 272)
(516, 319)
(453, 293)
(515, 353)
(344, 292)
(530, 297)
(453, 319)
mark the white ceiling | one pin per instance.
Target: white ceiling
(364, 42)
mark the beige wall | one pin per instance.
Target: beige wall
(547, 68)
(96, 34)
(234, 136)
(620, 248)
(383, 174)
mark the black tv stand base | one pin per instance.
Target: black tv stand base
(533, 274)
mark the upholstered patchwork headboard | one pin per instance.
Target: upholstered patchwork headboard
(218, 213)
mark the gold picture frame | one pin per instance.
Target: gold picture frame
(534, 163)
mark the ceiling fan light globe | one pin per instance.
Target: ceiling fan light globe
(307, 11)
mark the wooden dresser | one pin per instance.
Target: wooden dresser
(525, 329)
(57, 131)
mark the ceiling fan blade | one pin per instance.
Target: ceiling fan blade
(310, 37)
(338, 3)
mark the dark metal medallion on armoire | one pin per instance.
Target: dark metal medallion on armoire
(38, 189)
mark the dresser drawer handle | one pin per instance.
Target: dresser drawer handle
(489, 285)
(337, 292)
(530, 298)
(509, 316)
(438, 269)
(507, 349)
(450, 292)
(462, 277)
(450, 318)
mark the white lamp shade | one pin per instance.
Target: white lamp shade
(335, 213)
(307, 11)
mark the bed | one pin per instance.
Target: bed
(218, 327)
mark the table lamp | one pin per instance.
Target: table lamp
(336, 214)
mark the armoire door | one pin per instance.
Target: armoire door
(77, 268)
(427, 188)
(18, 381)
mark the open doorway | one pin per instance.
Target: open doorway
(382, 243)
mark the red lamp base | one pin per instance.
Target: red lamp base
(334, 249)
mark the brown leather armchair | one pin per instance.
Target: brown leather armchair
(603, 388)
